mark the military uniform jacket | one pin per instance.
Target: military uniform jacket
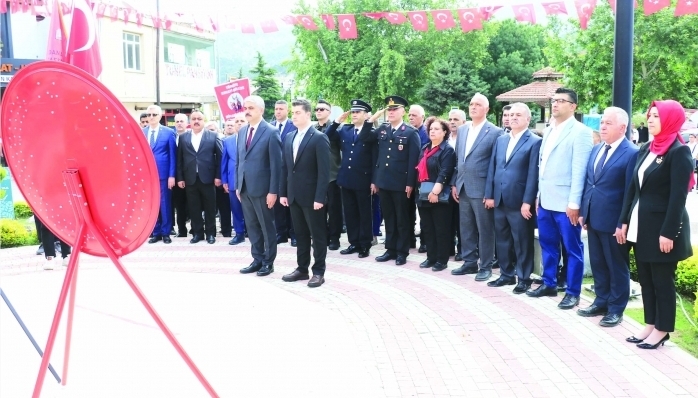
(358, 157)
(398, 153)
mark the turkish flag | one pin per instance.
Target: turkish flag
(215, 25)
(487, 12)
(470, 19)
(14, 6)
(584, 10)
(269, 26)
(555, 8)
(156, 21)
(328, 19)
(652, 6)
(395, 18)
(57, 40)
(376, 16)
(83, 46)
(612, 3)
(443, 19)
(139, 19)
(347, 26)
(525, 13)
(127, 12)
(114, 13)
(307, 22)
(290, 19)
(101, 9)
(197, 24)
(167, 22)
(247, 28)
(3, 7)
(684, 7)
(418, 20)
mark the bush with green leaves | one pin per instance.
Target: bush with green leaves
(13, 233)
(22, 210)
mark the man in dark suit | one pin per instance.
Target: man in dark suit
(335, 219)
(416, 117)
(511, 188)
(230, 156)
(394, 176)
(199, 173)
(179, 195)
(305, 177)
(162, 143)
(473, 154)
(608, 174)
(358, 161)
(257, 181)
(282, 214)
(643, 133)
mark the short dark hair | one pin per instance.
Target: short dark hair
(303, 103)
(143, 115)
(281, 102)
(322, 101)
(443, 123)
(506, 107)
(569, 92)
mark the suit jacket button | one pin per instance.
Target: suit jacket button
(349, 159)
(352, 144)
(351, 151)
(386, 165)
(388, 156)
(350, 167)
(390, 149)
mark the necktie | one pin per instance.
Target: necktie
(356, 134)
(599, 165)
(152, 138)
(281, 128)
(249, 138)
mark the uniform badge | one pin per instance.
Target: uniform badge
(399, 147)
(403, 127)
(659, 160)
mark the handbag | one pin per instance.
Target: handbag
(425, 187)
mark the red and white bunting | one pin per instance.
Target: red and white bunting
(347, 26)
(419, 20)
(524, 13)
(584, 10)
(487, 12)
(684, 7)
(443, 19)
(470, 19)
(328, 19)
(395, 18)
(652, 6)
(555, 8)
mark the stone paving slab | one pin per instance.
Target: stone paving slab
(373, 329)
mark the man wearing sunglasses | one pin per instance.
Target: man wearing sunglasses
(162, 143)
(334, 194)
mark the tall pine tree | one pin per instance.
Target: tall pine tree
(267, 86)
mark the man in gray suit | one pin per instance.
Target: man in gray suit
(473, 152)
(258, 174)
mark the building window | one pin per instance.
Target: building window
(132, 51)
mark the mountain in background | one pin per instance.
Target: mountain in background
(236, 50)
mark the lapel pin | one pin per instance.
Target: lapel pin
(399, 147)
(659, 160)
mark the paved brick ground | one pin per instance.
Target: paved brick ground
(431, 334)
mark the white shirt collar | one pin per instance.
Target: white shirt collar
(305, 130)
(284, 122)
(254, 126)
(616, 144)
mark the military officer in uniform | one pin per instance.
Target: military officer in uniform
(394, 175)
(355, 172)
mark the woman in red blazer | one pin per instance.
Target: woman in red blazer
(654, 218)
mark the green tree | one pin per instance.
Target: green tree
(451, 82)
(267, 86)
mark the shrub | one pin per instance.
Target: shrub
(695, 307)
(633, 266)
(13, 234)
(22, 210)
(687, 276)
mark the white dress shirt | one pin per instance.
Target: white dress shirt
(280, 125)
(297, 141)
(473, 132)
(196, 139)
(613, 148)
(452, 141)
(632, 228)
(512, 143)
(550, 142)
(254, 131)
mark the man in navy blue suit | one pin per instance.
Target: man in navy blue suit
(608, 175)
(162, 143)
(511, 188)
(282, 214)
(228, 164)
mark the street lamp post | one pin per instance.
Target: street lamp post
(157, 53)
(623, 59)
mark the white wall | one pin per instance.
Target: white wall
(29, 38)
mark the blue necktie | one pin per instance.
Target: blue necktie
(599, 165)
(356, 134)
(152, 138)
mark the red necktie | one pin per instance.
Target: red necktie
(249, 138)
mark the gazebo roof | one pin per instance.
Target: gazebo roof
(539, 92)
(547, 73)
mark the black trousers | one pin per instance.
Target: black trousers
(436, 223)
(224, 212)
(49, 239)
(455, 225)
(202, 197)
(514, 239)
(658, 293)
(283, 222)
(358, 216)
(311, 230)
(413, 219)
(179, 204)
(395, 208)
(334, 212)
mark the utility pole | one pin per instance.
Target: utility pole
(623, 59)
(157, 53)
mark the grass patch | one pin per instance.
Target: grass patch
(684, 335)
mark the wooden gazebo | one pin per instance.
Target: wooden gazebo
(540, 91)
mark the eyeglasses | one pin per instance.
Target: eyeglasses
(151, 114)
(559, 101)
(321, 109)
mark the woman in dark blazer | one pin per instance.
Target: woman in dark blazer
(436, 164)
(654, 218)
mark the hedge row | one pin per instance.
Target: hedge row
(13, 233)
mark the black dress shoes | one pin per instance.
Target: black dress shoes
(350, 250)
(265, 270)
(386, 257)
(592, 310)
(422, 249)
(465, 270)
(501, 281)
(295, 276)
(458, 257)
(294, 242)
(400, 260)
(155, 239)
(167, 239)
(439, 267)
(542, 291)
(363, 253)
(483, 275)
(316, 281)
(237, 239)
(333, 246)
(648, 346)
(196, 239)
(611, 320)
(568, 302)
(521, 287)
(211, 240)
(427, 264)
(634, 340)
(254, 267)
(281, 239)
(182, 234)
